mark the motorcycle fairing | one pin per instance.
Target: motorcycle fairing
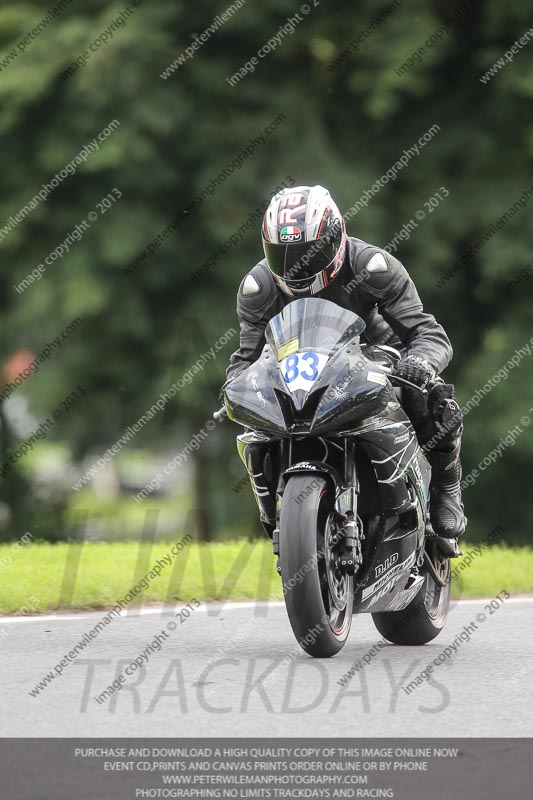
(386, 582)
(398, 463)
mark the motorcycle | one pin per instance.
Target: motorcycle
(329, 446)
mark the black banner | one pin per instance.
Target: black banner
(405, 769)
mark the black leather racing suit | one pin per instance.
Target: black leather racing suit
(385, 297)
(386, 300)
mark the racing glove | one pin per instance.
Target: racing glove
(415, 369)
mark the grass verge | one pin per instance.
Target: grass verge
(43, 577)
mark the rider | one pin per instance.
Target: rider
(307, 252)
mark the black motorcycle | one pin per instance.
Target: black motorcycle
(338, 460)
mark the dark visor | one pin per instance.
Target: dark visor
(300, 261)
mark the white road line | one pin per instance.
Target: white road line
(143, 612)
(231, 606)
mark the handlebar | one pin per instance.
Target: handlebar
(405, 382)
(448, 412)
(220, 414)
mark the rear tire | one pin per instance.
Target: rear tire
(424, 618)
(318, 597)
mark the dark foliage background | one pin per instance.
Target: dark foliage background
(344, 127)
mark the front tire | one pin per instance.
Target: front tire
(318, 596)
(424, 618)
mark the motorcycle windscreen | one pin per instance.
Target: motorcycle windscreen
(304, 336)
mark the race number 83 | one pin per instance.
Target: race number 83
(300, 370)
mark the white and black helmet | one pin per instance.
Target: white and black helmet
(304, 239)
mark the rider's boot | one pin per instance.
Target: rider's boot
(446, 508)
(439, 427)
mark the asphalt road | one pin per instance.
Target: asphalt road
(213, 676)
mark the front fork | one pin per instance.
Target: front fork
(350, 533)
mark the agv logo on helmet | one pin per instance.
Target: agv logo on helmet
(290, 234)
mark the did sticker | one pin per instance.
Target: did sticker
(290, 234)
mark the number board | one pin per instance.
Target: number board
(300, 370)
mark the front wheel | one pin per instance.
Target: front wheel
(424, 618)
(318, 595)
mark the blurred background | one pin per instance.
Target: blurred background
(127, 221)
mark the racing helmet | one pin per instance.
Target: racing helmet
(304, 239)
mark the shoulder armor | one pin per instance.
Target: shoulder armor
(257, 292)
(250, 285)
(377, 263)
(379, 271)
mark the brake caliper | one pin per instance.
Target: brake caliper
(351, 556)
